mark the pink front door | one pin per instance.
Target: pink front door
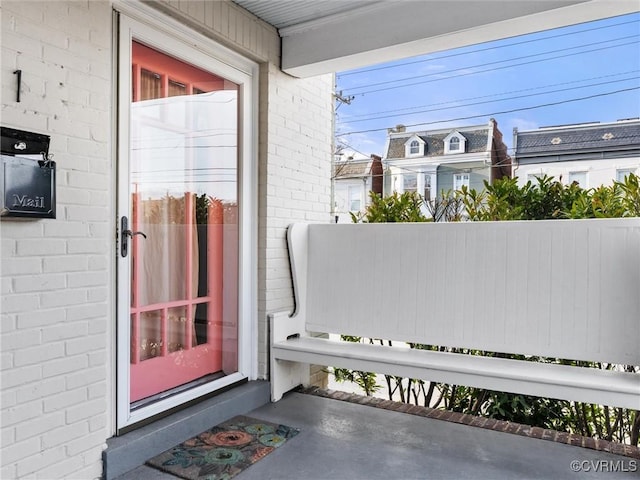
(182, 224)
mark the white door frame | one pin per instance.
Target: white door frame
(155, 29)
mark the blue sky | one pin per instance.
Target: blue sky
(502, 79)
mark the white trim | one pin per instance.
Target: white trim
(462, 145)
(112, 330)
(183, 397)
(630, 169)
(461, 174)
(123, 268)
(387, 144)
(137, 10)
(490, 131)
(421, 147)
(177, 40)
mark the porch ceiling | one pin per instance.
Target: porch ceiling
(328, 36)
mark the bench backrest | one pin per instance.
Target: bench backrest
(561, 288)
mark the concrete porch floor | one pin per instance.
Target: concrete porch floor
(343, 440)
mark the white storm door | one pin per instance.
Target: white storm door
(185, 257)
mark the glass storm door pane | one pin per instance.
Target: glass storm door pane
(184, 199)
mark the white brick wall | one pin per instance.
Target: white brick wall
(56, 276)
(295, 185)
(55, 272)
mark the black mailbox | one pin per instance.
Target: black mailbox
(27, 176)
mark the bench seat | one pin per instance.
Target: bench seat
(558, 289)
(500, 374)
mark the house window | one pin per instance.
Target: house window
(414, 147)
(578, 177)
(410, 182)
(354, 199)
(454, 143)
(460, 180)
(389, 182)
(427, 186)
(622, 173)
(534, 178)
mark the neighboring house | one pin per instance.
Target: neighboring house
(591, 154)
(354, 179)
(435, 161)
(206, 126)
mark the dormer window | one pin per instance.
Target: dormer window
(455, 143)
(414, 147)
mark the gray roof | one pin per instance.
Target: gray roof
(477, 141)
(578, 138)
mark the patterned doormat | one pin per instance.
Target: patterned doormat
(223, 451)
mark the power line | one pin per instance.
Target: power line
(181, 182)
(182, 147)
(489, 69)
(495, 94)
(182, 170)
(493, 114)
(503, 61)
(481, 50)
(490, 101)
(346, 145)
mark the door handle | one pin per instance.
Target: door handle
(129, 233)
(126, 233)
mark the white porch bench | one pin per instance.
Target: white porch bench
(566, 289)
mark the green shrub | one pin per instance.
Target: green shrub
(546, 198)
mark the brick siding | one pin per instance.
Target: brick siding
(56, 274)
(295, 185)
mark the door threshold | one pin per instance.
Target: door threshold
(133, 448)
(174, 391)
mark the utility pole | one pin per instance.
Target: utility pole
(341, 100)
